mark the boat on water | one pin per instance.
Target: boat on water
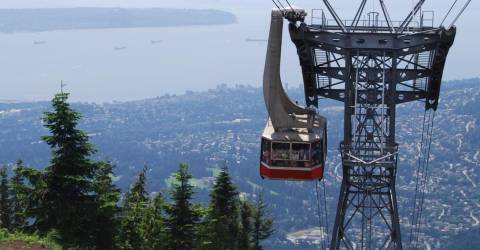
(255, 40)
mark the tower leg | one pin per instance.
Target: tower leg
(368, 206)
(337, 233)
(396, 235)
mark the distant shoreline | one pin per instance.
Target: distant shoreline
(446, 86)
(40, 20)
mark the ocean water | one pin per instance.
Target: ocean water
(123, 64)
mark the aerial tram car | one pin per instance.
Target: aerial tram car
(294, 141)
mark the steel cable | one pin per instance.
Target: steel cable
(420, 151)
(448, 13)
(322, 244)
(425, 179)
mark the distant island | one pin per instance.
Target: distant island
(36, 20)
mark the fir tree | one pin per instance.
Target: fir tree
(245, 234)
(5, 206)
(223, 213)
(19, 194)
(106, 200)
(183, 218)
(138, 193)
(31, 196)
(134, 213)
(262, 224)
(154, 232)
(68, 198)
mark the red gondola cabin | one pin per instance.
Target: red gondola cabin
(293, 155)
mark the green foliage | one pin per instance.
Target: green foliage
(223, 212)
(138, 193)
(5, 204)
(182, 218)
(68, 199)
(31, 192)
(29, 239)
(134, 212)
(73, 196)
(142, 223)
(246, 226)
(154, 228)
(262, 224)
(107, 198)
(19, 194)
(74, 201)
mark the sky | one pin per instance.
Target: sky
(462, 61)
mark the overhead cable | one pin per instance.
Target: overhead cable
(448, 13)
(459, 14)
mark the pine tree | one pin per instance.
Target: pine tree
(68, 199)
(107, 198)
(246, 227)
(182, 219)
(19, 194)
(223, 213)
(5, 206)
(262, 224)
(134, 214)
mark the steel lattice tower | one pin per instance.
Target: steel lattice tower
(371, 66)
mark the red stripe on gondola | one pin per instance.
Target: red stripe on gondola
(287, 174)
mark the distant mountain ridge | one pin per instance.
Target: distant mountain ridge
(36, 20)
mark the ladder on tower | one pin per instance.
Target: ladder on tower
(322, 60)
(423, 60)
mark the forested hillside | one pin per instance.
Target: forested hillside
(204, 129)
(74, 202)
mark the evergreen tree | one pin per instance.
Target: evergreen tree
(245, 234)
(262, 224)
(68, 199)
(106, 200)
(154, 232)
(138, 193)
(19, 194)
(134, 213)
(183, 218)
(5, 206)
(30, 196)
(223, 213)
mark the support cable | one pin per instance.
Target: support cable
(335, 16)
(278, 7)
(387, 17)
(459, 14)
(448, 12)
(410, 16)
(421, 178)
(326, 211)
(418, 172)
(289, 4)
(358, 15)
(322, 244)
(422, 199)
